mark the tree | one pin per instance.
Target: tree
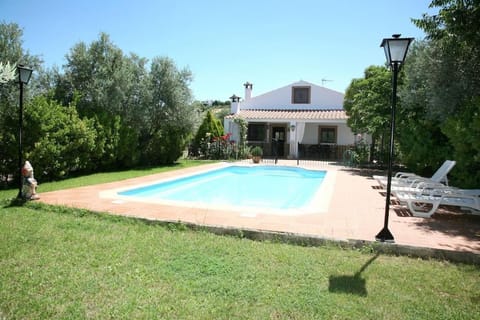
(367, 102)
(12, 54)
(444, 83)
(7, 72)
(111, 89)
(95, 71)
(104, 111)
(210, 129)
(422, 143)
(141, 117)
(57, 141)
(170, 116)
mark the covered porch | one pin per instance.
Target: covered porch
(297, 134)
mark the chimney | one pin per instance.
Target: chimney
(235, 105)
(248, 90)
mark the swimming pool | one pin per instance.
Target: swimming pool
(261, 187)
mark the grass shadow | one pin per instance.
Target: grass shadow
(13, 202)
(348, 284)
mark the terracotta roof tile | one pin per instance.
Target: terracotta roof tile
(258, 114)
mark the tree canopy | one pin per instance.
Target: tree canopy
(449, 62)
(439, 95)
(102, 110)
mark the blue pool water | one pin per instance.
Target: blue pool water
(258, 186)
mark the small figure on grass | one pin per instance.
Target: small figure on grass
(29, 183)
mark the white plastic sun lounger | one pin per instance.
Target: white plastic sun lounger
(419, 186)
(424, 203)
(407, 178)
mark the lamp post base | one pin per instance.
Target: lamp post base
(385, 236)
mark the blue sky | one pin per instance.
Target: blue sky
(270, 43)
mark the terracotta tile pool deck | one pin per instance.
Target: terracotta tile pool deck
(355, 211)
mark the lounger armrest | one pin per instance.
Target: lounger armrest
(461, 193)
(420, 182)
(404, 175)
(471, 192)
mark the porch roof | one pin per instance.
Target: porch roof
(288, 115)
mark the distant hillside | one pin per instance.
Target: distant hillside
(219, 108)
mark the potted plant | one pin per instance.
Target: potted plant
(257, 154)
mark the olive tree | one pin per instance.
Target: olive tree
(170, 116)
(441, 93)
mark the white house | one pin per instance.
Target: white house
(299, 120)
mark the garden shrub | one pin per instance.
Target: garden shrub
(57, 142)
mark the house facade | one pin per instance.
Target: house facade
(300, 120)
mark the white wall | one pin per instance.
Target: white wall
(344, 134)
(281, 99)
(231, 127)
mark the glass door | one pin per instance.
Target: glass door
(278, 141)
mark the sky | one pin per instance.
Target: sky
(225, 43)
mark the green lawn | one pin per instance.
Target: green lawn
(58, 263)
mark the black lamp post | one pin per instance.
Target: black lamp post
(395, 51)
(24, 74)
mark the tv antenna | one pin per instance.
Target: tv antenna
(325, 80)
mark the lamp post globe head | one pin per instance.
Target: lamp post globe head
(24, 73)
(396, 49)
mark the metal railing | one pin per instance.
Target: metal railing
(272, 149)
(323, 152)
(327, 152)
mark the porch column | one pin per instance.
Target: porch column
(293, 140)
(298, 135)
